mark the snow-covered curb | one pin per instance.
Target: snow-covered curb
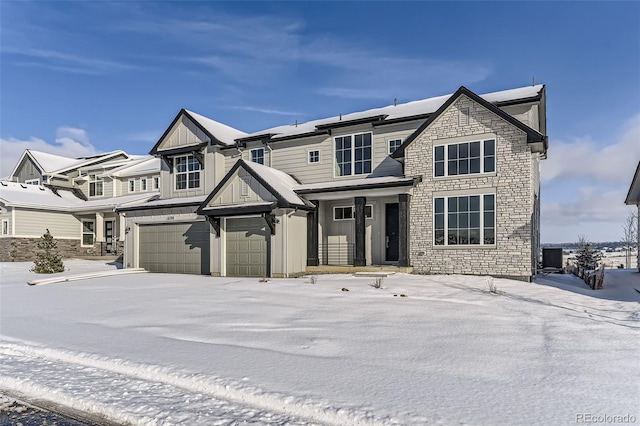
(77, 277)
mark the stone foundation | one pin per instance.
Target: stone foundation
(26, 249)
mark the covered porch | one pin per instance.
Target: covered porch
(359, 228)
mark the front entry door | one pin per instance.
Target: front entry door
(109, 226)
(392, 231)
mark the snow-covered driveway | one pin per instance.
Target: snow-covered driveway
(176, 349)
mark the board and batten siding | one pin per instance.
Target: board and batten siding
(289, 244)
(184, 132)
(27, 170)
(34, 223)
(242, 188)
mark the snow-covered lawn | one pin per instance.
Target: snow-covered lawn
(179, 349)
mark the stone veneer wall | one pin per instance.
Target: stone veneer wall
(512, 183)
(26, 249)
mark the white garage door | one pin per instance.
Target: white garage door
(181, 248)
(247, 240)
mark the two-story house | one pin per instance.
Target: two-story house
(441, 185)
(75, 199)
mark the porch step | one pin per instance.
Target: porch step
(346, 269)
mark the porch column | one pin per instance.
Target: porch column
(360, 257)
(99, 227)
(312, 235)
(122, 224)
(403, 237)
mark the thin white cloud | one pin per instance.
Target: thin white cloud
(268, 111)
(144, 136)
(598, 161)
(69, 142)
(67, 62)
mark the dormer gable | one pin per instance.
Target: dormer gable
(250, 184)
(191, 132)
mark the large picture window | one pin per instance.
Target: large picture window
(96, 186)
(465, 158)
(465, 220)
(353, 154)
(88, 232)
(187, 171)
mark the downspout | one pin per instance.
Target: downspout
(266, 144)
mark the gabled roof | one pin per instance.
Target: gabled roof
(415, 110)
(533, 136)
(633, 196)
(219, 133)
(278, 183)
(47, 163)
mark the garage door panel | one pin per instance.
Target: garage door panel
(175, 247)
(246, 247)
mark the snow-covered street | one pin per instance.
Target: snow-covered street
(181, 349)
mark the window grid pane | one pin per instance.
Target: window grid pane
(187, 172)
(464, 158)
(461, 222)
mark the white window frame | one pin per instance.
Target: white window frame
(187, 172)
(143, 184)
(132, 185)
(32, 182)
(93, 180)
(83, 232)
(156, 182)
(390, 141)
(482, 157)
(481, 222)
(309, 152)
(5, 227)
(336, 169)
(256, 150)
(353, 212)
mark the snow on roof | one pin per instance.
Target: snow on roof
(409, 109)
(92, 160)
(280, 181)
(41, 197)
(222, 132)
(147, 164)
(19, 194)
(152, 203)
(118, 201)
(51, 162)
(354, 183)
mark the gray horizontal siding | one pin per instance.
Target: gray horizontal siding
(34, 223)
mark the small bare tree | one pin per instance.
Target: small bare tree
(630, 236)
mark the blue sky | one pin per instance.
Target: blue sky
(84, 77)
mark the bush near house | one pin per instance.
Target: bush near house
(48, 259)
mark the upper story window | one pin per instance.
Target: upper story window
(314, 156)
(96, 186)
(32, 181)
(465, 158)
(465, 220)
(348, 212)
(143, 184)
(394, 144)
(132, 185)
(353, 154)
(257, 155)
(156, 182)
(187, 171)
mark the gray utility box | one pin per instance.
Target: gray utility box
(552, 258)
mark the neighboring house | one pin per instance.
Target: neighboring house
(443, 185)
(633, 197)
(75, 199)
